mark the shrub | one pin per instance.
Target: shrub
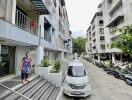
(45, 63)
(56, 68)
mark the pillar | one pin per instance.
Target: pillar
(113, 58)
(39, 57)
(62, 55)
(99, 58)
(11, 11)
(13, 16)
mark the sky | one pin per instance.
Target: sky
(80, 14)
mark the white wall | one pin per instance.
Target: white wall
(20, 53)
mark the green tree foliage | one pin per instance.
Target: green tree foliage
(124, 41)
(79, 45)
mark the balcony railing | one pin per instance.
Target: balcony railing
(24, 22)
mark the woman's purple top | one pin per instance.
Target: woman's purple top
(26, 65)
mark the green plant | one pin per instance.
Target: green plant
(57, 67)
(45, 63)
(123, 41)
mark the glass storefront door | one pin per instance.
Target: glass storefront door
(7, 60)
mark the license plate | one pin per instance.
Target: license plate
(77, 92)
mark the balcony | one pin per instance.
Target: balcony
(24, 22)
(43, 6)
(114, 5)
(117, 19)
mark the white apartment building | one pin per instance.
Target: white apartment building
(117, 13)
(38, 26)
(95, 36)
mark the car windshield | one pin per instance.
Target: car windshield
(76, 71)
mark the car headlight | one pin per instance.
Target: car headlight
(66, 82)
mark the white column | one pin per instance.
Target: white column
(99, 58)
(0, 49)
(13, 11)
(113, 58)
(62, 55)
(39, 57)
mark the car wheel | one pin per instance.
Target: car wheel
(127, 81)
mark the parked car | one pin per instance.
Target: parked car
(128, 77)
(76, 82)
(118, 73)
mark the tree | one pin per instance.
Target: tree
(124, 41)
(79, 45)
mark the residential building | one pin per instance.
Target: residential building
(117, 13)
(95, 36)
(38, 26)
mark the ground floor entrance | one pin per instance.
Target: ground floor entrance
(7, 60)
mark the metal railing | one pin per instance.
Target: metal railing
(15, 92)
(24, 22)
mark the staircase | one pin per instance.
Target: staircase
(37, 89)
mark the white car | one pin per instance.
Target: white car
(76, 82)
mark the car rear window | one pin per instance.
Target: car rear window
(76, 71)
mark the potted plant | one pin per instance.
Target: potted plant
(55, 74)
(56, 68)
(44, 68)
(45, 63)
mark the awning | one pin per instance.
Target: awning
(114, 20)
(39, 4)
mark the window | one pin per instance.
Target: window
(93, 27)
(99, 14)
(102, 38)
(101, 22)
(110, 1)
(94, 47)
(76, 71)
(101, 30)
(102, 46)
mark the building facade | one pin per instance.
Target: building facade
(95, 36)
(38, 26)
(116, 14)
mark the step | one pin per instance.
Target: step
(16, 87)
(41, 91)
(33, 90)
(48, 92)
(54, 94)
(24, 89)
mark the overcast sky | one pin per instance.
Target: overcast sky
(80, 13)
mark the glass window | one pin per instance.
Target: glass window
(76, 71)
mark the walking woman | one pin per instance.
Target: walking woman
(26, 67)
